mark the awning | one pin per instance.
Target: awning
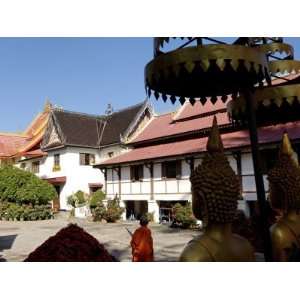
(95, 185)
(56, 180)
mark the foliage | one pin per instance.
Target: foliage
(22, 187)
(99, 212)
(113, 211)
(150, 216)
(77, 199)
(15, 212)
(183, 215)
(96, 198)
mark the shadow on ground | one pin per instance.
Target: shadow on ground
(120, 254)
(6, 243)
(168, 229)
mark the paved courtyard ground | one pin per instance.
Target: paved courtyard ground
(18, 239)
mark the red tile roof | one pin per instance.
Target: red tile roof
(190, 118)
(198, 109)
(12, 145)
(231, 140)
(35, 153)
(163, 126)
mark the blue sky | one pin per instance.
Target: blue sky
(80, 74)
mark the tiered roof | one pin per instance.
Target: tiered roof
(189, 119)
(14, 145)
(185, 133)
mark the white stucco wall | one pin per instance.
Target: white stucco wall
(116, 149)
(77, 176)
(178, 189)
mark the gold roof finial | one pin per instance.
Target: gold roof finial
(286, 147)
(48, 106)
(214, 143)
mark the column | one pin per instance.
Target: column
(123, 204)
(153, 207)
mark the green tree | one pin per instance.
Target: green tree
(113, 210)
(23, 187)
(96, 198)
(183, 215)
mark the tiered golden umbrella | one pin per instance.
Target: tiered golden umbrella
(197, 71)
(274, 103)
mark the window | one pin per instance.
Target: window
(137, 172)
(86, 159)
(23, 166)
(36, 167)
(56, 166)
(171, 169)
(110, 154)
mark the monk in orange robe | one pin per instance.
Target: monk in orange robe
(142, 243)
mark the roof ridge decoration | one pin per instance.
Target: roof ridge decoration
(48, 106)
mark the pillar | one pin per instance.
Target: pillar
(153, 207)
(123, 204)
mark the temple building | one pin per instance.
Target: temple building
(27, 143)
(62, 146)
(154, 174)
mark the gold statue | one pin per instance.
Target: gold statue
(284, 181)
(215, 192)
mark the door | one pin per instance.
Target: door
(56, 202)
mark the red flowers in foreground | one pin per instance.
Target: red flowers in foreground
(71, 244)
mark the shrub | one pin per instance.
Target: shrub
(113, 211)
(150, 216)
(99, 212)
(12, 211)
(183, 215)
(96, 198)
(22, 187)
(77, 199)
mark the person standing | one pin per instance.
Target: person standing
(142, 243)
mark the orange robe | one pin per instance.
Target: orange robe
(142, 245)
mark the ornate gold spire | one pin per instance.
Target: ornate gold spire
(48, 106)
(214, 143)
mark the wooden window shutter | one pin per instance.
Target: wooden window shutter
(141, 172)
(132, 173)
(163, 170)
(178, 169)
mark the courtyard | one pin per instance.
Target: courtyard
(18, 239)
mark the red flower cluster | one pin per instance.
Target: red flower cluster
(71, 244)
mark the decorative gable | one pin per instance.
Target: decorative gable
(51, 138)
(139, 123)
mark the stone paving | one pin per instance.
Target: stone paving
(18, 239)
